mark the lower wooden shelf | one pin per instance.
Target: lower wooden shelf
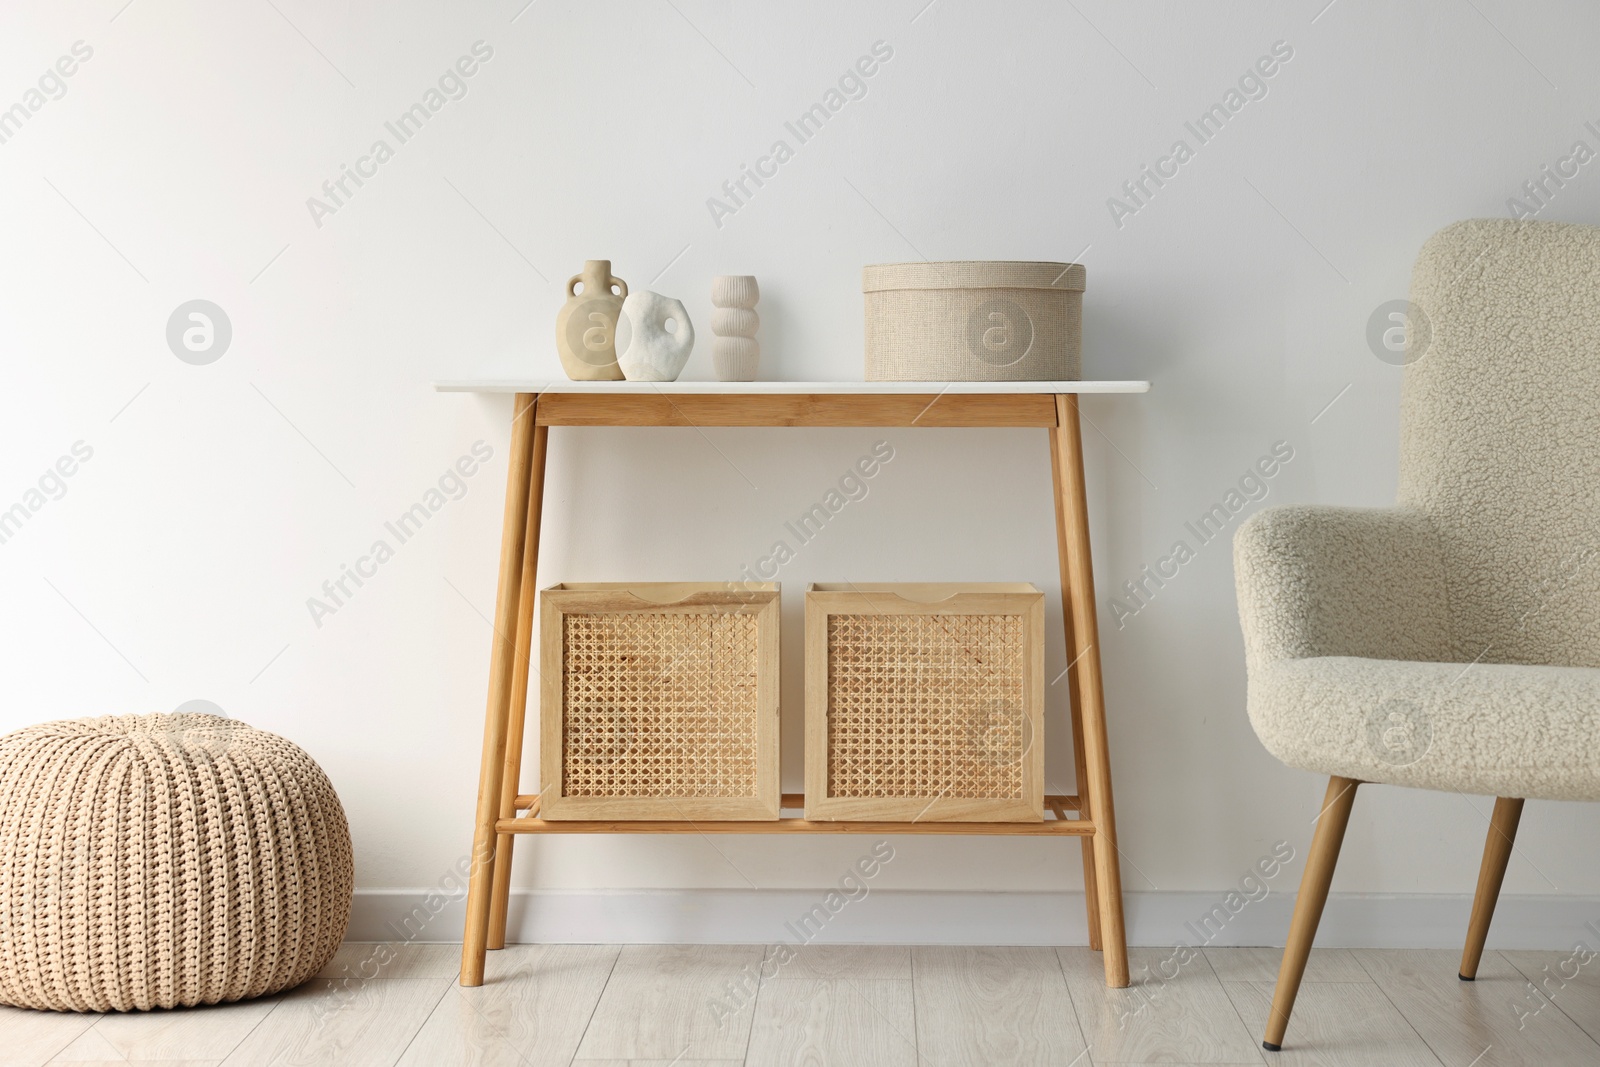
(1057, 804)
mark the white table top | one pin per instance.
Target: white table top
(534, 385)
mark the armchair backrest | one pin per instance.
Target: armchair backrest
(1500, 435)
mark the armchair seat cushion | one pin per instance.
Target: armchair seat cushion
(1506, 730)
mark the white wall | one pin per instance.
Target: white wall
(178, 163)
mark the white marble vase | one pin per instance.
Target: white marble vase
(655, 353)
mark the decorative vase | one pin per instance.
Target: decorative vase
(655, 353)
(735, 352)
(586, 327)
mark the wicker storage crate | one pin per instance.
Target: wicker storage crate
(925, 703)
(973, 321)
(659, 701)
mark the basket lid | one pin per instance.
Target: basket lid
(973, 274)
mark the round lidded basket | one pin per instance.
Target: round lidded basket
(973, 321)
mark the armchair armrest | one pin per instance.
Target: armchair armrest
(1331, 581)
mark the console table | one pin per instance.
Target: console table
(503, 812)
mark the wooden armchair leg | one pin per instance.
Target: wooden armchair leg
(1496, 854)
(1320, 862)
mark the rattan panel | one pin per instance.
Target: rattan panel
(926, 706)
(660, 705)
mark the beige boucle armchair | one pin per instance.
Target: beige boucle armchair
(1451, 642)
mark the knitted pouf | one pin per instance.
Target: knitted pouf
(159, 861)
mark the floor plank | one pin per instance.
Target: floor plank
(90, 1047)
(1261, 965)
(669, 1001)
(993, 1005)
(1568, 981)
(1186, 1017)
(92, 1050)
(1335, 1024)
(1474, 1022)
(328, 1023)
(183, 1033)
(531, 1011)
(33, 1038)
(836, 1022)
(859, 962)
(367, 960)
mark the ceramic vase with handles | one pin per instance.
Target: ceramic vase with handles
(586, 327)
(655, 353)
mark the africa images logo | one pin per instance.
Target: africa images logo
(1000, 733)
(1399, 332)
(591, 329)
(1399, 733)
(999, 332)
(199, 332)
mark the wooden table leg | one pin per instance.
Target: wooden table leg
(1072, 516)
(1081, 778)
(502, 661)
(500, 898)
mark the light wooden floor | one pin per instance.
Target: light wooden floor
(603, 1006)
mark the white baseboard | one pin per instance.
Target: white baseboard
(736, 916)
